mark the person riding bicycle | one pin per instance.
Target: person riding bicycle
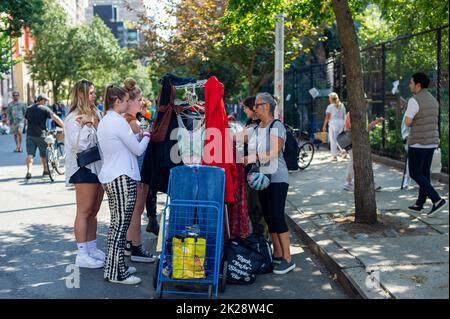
(37, 116)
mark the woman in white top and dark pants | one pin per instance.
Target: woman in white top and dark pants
(119, 176)
(335, 115)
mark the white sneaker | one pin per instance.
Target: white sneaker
(97, 254)
(132, 280)
(86, 261)
(349, 187)
(131, 270)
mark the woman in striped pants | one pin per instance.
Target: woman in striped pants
(119, 175)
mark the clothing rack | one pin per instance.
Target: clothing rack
(198, 84)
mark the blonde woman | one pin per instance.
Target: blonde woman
(119, 176)
(335, 116)
(79, 135)
(134, 247)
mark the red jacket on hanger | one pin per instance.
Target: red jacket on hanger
(218, 149)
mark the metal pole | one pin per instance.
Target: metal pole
(279, 66)
(383, 97)
(12, 62)
(311, 106)
(438, 82)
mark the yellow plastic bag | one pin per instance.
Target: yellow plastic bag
(188, 257)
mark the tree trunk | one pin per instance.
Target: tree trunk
(55, 88)
(365, 204)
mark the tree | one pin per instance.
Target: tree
(250, 25)
(365, 204)
(14, 16)
(63, 54)
(49, 59)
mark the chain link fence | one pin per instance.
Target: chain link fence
(387, 69)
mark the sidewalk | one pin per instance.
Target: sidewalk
(405, 256)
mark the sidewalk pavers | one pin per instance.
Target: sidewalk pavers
(405, 256)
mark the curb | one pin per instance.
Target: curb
(346, 282)
(441, 177)
(346, 277)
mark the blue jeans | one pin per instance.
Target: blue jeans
(419, 164)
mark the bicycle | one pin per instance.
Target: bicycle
(305, 149)
(55, 152)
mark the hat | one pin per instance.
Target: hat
(41, 97)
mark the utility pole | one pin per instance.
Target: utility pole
(279, 66)
(12, 62)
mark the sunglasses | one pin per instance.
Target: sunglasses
(259, 104)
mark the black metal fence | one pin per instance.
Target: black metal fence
(383, 65)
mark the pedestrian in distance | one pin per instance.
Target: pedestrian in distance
(422, 116)
(335, 116)
(80, 135)
(16, 118)
(349, 186)
(37, 116)
(119, 176)
(134, 247)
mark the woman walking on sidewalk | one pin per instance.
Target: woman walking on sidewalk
(335, 115)
(265, 148)
(79, 135)
(119, 176)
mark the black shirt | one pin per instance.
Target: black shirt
(37, 116)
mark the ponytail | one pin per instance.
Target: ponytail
(112, 94)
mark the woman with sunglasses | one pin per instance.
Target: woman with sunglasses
(79, 135)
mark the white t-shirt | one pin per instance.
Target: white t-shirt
(411, 111)
(337, 115)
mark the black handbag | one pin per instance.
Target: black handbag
(344, 140)
(88, 156)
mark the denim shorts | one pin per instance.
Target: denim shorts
(84, 175)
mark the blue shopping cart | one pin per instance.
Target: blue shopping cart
(192, 247)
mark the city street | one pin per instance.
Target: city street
(37, 247)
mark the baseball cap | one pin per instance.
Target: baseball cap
(41, 97)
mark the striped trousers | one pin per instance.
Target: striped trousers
(121, 194)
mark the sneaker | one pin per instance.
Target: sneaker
(334, 159)
(276, 260)
(28, 176)
(132, 280)
(153, 226)
(138, 254)
(415, 208)
(348, 187)
(86, 261)
(284, 267)
(437, 207)
(127, 250)
(97, 254)
(131, 270)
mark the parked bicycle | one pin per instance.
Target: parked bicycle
(305, 148)
(56, 154)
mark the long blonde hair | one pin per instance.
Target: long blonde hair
(335, 98)
(80, 100)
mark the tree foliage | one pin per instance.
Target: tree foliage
(63, 54)
(15, 15)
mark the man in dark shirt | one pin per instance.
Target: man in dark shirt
(37, 116)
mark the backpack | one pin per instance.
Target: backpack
(291, 150)
(258, 243)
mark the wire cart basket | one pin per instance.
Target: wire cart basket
(192, 236)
